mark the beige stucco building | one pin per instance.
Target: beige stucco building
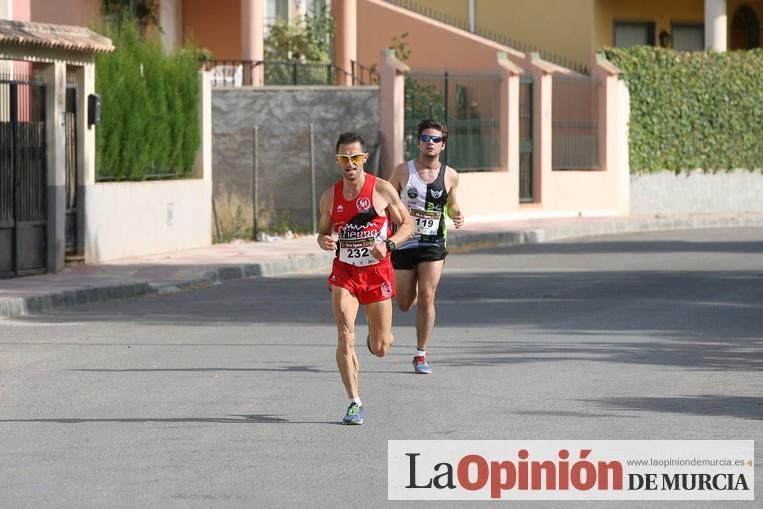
(572, 30)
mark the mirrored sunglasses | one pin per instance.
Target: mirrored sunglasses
(345, 159)
(426, 138)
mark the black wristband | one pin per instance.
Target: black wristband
(390, 245)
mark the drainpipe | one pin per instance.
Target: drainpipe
(472, 16)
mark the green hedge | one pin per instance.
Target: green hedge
(149, 108)
(693, 110)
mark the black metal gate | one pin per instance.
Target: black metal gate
(468, 104)
(73, 246)
(23, 177)
(526, 181)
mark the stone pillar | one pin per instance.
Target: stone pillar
(509, 121)
(252, 41)
(55, 105)
(346, 16)
(715, 25)
(542, 132)
(84, 78)
(202, 167)
(614, 115)
(391, 111)
(169, 19)
(21, 10)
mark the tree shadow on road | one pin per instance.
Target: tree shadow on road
(230, 419)
(711, 405)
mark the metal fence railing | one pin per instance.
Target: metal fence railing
(23, 175)
(362, 75)
(238, 73)
(526, 161)
(230, 73)
(468, 104)
(575, 123)
(301, 73)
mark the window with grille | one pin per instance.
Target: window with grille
(688, 37)
(633, 33)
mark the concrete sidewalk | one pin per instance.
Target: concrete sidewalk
(198, 268)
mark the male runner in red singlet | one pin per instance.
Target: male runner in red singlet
(358, 209)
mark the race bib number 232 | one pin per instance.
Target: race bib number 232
(357, 251)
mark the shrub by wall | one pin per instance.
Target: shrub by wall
(693, 110)
(149, 108)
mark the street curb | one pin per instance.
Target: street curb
(470, 241)
(22, 306)
(464, 241)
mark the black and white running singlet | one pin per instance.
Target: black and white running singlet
(427, 204)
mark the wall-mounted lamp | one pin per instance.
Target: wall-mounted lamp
(665, 39)
(93, 110)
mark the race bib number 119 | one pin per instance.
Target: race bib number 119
(427, 221)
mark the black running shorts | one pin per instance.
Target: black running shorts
(407, 259)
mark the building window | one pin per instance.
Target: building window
(634, 33)
(276, 9)
(688, 36)
(745, 29)
(316, 7)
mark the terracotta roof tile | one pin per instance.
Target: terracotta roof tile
(67, 37)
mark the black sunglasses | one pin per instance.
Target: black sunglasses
(426, 138)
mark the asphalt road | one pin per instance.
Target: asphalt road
(229, 396)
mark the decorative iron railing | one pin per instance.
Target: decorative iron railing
(237, 73)
(575, 123)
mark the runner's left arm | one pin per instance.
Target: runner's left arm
(454, 210)
(397, 213)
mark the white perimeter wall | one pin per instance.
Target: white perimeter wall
(128, 219)
(697, 192)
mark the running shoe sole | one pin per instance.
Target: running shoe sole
(421, 368)
(355, 420)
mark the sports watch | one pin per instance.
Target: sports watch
(390, 245)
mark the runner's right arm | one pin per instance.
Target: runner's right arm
(326, 226)
(398, 173)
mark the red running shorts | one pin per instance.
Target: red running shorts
(369, 284)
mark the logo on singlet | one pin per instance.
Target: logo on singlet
(436, 194)
(363, 204)
(411, 192)
(339, 208)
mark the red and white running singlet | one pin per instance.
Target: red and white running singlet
(358, 225)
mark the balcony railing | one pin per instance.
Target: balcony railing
(238, 73)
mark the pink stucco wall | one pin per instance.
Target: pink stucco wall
(433, 45)
(21, 10)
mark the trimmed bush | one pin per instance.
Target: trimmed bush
(693, 110)
(150, 108)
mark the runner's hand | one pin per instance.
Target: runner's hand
(326, 242)
(458, 221)
(379, 251)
